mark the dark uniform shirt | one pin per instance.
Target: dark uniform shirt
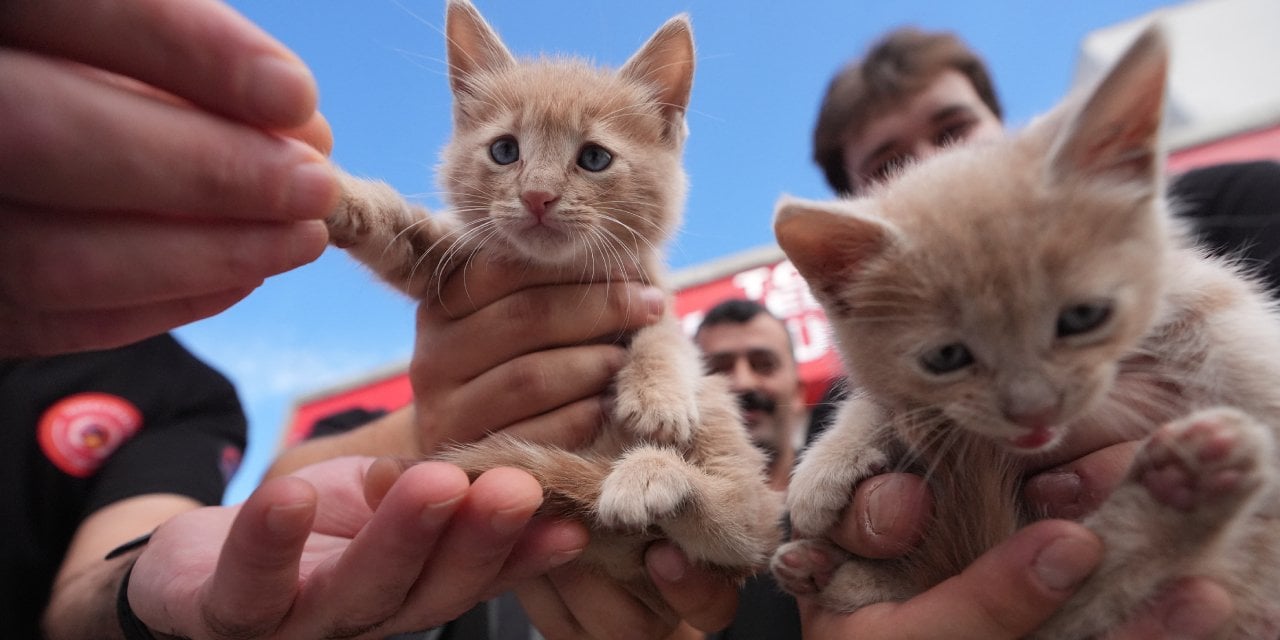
(81, 431)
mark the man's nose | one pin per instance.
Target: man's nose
(742, 377)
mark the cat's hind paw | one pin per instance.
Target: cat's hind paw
(645, 485)
(1210, 461)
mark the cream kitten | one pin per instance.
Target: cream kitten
(559, 163)
(999, 299)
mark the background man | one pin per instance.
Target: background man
(746, 343)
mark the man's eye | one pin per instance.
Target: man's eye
(886, 169)
(954, 133)
(763, 363)
(718, 364)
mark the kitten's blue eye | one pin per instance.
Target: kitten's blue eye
(1082, 318)
(947, 358)
(594, 157)
(504, 150)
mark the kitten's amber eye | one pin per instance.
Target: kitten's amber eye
(947, 358)
(504, 150)
(1082, 318)
(594, 157)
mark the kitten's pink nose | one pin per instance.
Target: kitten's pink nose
(539, 202)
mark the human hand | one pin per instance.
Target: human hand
(1014, 588)
(524, 349)
(889, 512)
(570, 602)
(306, 556)
(141, 186)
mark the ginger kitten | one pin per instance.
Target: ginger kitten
(559, 163)
(996, 300)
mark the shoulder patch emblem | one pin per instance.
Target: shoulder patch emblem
(79, 432)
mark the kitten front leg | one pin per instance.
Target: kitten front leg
(657, 388)
(399, 241)
(1194, 486)
(823, 482)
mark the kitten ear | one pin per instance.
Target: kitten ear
(665, 63)
(1116, 131)
(827, 241)
(473, 46)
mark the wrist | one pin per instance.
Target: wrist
(130, 626)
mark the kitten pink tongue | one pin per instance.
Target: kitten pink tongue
(1037, 438)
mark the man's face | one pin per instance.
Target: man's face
(756, 358)
(946, 111)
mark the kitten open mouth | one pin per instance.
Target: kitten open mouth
(1035, 439)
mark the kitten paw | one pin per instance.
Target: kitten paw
(645, 486)
(1211, 459)
(663, 414)
(804, 567)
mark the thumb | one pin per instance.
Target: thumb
(256, 579)
(1007, 593)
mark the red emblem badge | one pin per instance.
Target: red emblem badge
(81, 431)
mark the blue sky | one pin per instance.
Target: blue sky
(762, 68)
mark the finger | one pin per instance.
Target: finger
(373, 576)
(65, 262)
(528, 387)
(256, 579)
(541, 317)
(1008, 592)
(1190, 608)
(483, 280)
(704, 600)
(569, 427)
(547, 610)
(603, 608)
(315, 132)
(198, 49)
(1078, 487)
(545, 544)
(133, 152)
(38, 333)
(381, 475)
(472, 552)
(887, 517)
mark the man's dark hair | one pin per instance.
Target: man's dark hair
(901, 63)
(733, 311)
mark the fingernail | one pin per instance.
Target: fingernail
(435, 515)
(312, 192)
(1191, 618)
(668, 563)
(1065, 562)
(884, 504)
(281, 92)
(654, 300)
(563, 557)
(508, 521)
(288, 520)
(1058, 493)
(307, 242)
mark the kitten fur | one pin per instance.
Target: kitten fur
(996, 300)
(675, 460)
